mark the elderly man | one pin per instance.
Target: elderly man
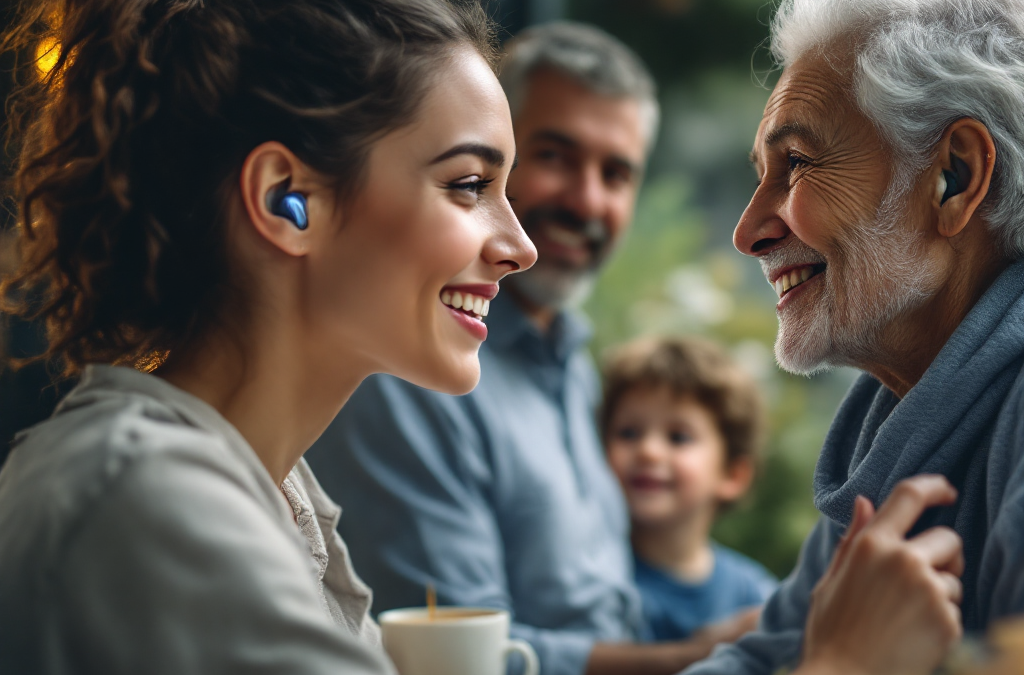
(502, 498)
(889, 218)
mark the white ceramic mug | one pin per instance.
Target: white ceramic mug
(457, 641)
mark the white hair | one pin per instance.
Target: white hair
(920, 66)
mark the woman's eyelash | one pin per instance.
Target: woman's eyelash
(475, 186)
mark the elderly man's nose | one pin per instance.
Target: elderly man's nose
(757, 232)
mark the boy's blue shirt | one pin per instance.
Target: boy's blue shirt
(675, 609)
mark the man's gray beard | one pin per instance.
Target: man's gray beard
(554, 288)
(884, 275)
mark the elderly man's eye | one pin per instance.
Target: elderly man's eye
(796, 161)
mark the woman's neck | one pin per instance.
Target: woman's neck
(274, 390)
(682, 547)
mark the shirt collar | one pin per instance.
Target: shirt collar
(509, 326)
(97, 379)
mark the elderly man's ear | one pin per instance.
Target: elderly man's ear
(963, 171)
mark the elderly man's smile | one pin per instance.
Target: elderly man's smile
(791, 269)
(784, 281)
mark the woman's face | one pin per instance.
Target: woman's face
(430, 226)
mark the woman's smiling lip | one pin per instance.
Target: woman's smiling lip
(475, 326)
(468, 304)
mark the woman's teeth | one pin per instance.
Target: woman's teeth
(467, 302)
(792, 280)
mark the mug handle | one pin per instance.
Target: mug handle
(530, 656)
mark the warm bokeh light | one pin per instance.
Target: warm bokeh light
(47, 52)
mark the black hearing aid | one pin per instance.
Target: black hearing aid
(957, 179)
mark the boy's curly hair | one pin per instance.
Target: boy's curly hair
(694, 368)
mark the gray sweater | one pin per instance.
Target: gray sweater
(139, 533)
(964, 420)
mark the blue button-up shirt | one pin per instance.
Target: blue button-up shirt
(501, 498)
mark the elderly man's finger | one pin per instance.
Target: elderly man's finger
(952, 587)
(940, 547)
(909, 500)
(956, 565)
(863, 511)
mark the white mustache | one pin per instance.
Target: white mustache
(797, 253)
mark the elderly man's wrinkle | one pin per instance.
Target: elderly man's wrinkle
(842, 187)
(841, 198)
(811, 91)
(847, 187)
(810, 99)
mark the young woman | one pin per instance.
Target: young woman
(246, 207)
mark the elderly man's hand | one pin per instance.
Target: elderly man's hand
(888, 604)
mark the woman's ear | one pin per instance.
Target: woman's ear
(736, 480)
(269, 173)
(962, 172)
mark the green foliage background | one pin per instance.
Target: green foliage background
(678, 272)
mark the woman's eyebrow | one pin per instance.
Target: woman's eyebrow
(488, 153)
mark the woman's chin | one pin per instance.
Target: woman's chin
(463, 388)
(464, 381)
(455, 377)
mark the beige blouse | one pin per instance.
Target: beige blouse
(139, 532)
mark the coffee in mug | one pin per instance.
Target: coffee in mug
(455, 641)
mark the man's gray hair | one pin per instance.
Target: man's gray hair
(920, 66)
(587, 55)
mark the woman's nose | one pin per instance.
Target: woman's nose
(510, 248)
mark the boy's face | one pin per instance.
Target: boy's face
(670, 458)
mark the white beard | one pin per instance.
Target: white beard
(882, 272)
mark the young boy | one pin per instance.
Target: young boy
(682, 425)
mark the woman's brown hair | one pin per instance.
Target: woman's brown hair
(129, 144)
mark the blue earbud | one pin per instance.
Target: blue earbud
(290, 205)
(957, 179)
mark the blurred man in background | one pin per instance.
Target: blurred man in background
(502, 498)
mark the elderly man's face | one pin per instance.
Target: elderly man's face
(832, 235)
(580, 159)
